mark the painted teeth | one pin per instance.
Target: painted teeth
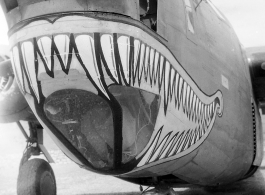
(144, 62)
(124, 50)
(182, 141)
(62, 43)
(86, 48)
(29, 61)
(124, 61)
(171, 145)
(45, 45)
(158, 150)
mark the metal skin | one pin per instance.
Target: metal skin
(204, 132)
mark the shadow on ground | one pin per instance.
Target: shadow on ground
(251, 186)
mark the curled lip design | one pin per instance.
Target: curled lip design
(122, 59)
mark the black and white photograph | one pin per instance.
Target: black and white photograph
(132, 97)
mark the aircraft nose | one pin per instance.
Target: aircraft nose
(88, 91)
(108, 135)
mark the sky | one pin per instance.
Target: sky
(246, 16)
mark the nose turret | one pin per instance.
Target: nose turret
(109, 136)
(86, 120)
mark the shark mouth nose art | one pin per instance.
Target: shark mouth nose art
(120, 57)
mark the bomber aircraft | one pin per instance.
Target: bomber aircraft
(156, 92)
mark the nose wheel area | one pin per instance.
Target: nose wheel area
(159, 189)
(36, 176)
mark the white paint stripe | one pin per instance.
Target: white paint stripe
(190, 135)
(45, 45)
(152, 58)
(176, 87)
(184, 95)
(196, 108)
(149, 152)
(182, 142)
(180, 89)
(205, 113)
(85, 45)
(197, 135)
(156, 65)
(167, 73)
(137, 49)
(172, 82)
(191, 103)
(108, 51)
(208, 115)
(146, 64)
(212, 108)
(158, 150)
(194, 137)
(29, 61)
(161, 69)
(163, 155)
(178, 140)
(62, 44)
(188, 99)
(200, 111)
(124, 50)
(142, 60)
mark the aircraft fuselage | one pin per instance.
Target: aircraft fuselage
(137, 89)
